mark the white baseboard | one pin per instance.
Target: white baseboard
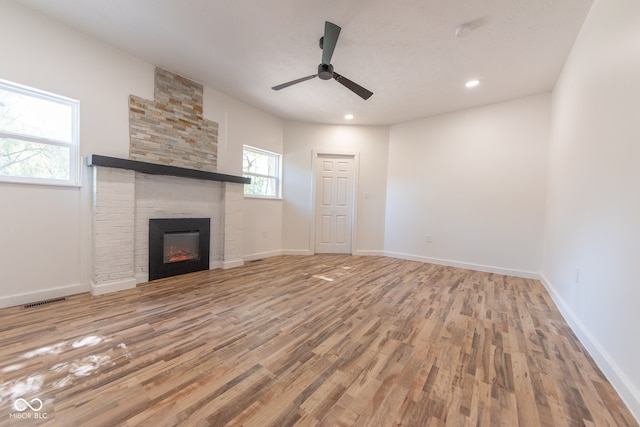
(466, 265)
(30, 297)
(307, 252)
(214, 265)
(304, 252)
(261, 255)
(625, 388)
(233, 263)
(113, 286)
(142, 278)
(368, 253)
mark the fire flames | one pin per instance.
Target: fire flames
(176, 255)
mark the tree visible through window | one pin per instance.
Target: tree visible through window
(263, 167)
(38, 136)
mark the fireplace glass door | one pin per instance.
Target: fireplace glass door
(181, 247)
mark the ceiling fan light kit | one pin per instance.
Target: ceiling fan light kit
(325, 70)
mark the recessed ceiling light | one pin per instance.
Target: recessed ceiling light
(348, 116)
(472, 83)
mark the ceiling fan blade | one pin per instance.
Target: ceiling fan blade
(293, 82)
(354, 87)
(329, 41)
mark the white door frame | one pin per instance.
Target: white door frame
(312, 210)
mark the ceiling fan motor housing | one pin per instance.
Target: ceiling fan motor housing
(325, 71)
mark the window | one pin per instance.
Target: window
(263, 167)
(38, 136)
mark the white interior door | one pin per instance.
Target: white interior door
(334, 204)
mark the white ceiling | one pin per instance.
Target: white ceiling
(404, 51)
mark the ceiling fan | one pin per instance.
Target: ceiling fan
(325, 69)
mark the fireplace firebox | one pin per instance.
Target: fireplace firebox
(178, 246)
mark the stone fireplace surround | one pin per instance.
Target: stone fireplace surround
(127, 193)
(170, 173)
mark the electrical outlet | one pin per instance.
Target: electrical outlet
(428, 238)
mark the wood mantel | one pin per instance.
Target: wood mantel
(157, 169)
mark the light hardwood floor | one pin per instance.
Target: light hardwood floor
(319, 340)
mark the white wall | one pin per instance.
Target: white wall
(300, 139)
(45, 249)
(240, 124)
(475, 182)
(593, 215)
(45, 243)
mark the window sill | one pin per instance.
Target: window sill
(40, 183)
(250, 196)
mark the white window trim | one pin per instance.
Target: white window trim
(278, 177)
(74, 146)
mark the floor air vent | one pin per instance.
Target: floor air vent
(47, 301)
